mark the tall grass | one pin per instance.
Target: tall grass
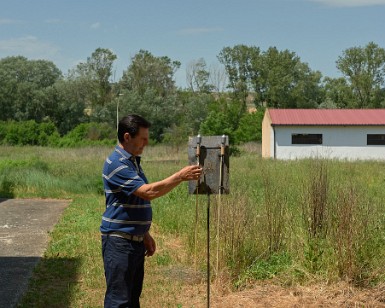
(317, 216)
(292, 221)
(315, 211)
(50, 173)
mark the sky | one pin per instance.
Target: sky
(66, 32)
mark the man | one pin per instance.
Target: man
(127, 219)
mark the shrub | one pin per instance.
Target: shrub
(88, 133)
(27, 133)
(250, 127)
(46, 134)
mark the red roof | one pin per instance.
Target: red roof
(351, 117)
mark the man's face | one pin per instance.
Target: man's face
(135, 145)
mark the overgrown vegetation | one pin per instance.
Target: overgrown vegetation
(45, 134)
(291, 222)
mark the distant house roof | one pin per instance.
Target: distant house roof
(310, 117)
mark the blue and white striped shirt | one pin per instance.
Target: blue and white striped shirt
(125, 212)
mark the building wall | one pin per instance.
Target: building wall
(267, 133)
(342, 142)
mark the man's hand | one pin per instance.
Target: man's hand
(149, 244)
(190, 173)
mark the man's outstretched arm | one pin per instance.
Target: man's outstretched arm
(160, 188)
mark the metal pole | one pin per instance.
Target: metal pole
(197, 154)
(117, 113)
(208, 248)
(223, 140)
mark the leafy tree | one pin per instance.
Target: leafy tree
(238, 62)
(193, 110)
(65, 105)
(19, 69)
(95, 75)
(281, 80)
(190, 110)
(277, 78)
(221, 119)
(176, 135)
(149, 72)
(148, 88)
(160, 111)
(338, 94)
(308, 91)
(217, 124)
(22, 87)
(364, 67)
(250, 127)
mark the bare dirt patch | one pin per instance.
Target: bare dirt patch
(268, 295)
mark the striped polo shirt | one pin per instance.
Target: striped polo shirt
(125, 212)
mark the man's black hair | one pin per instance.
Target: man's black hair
(131, 124)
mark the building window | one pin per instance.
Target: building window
(306, 139)
(375, 139)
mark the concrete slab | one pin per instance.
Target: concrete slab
(24, 227)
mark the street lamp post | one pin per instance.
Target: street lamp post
(117, 113)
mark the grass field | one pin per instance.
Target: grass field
(288, 223)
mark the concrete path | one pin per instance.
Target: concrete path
(24, 227)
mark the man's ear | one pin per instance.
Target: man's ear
(127, 136)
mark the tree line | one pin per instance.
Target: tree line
(217, 100)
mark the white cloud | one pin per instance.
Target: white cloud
(29, 46)
(351, 3)
(193, 31)
(6, 21)
(53, 21)
(96, 25)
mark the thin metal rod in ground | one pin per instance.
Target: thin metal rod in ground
(208, 249)
(223, 140)
(198, 155)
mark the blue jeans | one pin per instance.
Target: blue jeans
(124, 271)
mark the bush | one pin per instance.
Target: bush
(250, 127)
(27, 133)
(3, 131)
(46, 134)
(87, 134)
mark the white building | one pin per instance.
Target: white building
(324, 133)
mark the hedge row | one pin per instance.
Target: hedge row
(46, 134)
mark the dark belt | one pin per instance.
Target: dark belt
(135, 238)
